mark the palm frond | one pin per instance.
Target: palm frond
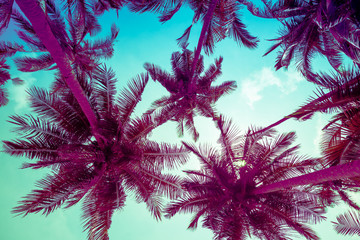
(103, 48)
(129, 98)
(100, 7)
(348, 223)
(27, 32)
(152, 5)
(5, 13)
(183, 39)
(164, 78)
(211, 74)
(56, 22)
(3, 97)
(170, 12)
(165, 184)
(64, 113)
(190, 126)
(30, 64)
(139, 128)
(229, 138)
(33, 148)
(165, 155)
(9, 49)
(83, 18)
(22, 21)
(31, 127)
(52, 193)
(154, 205)
(97, 213)
(240, 34)
(104, 88)
(204, 153)
(186, 204)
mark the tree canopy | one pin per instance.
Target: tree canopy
(251, 183)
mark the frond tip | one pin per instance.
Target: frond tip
(348, 223)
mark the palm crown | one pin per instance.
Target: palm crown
(189, 96)
(101, 174)
(222, 191)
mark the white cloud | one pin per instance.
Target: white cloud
(19, 95)
(252, 87)
(292, 80)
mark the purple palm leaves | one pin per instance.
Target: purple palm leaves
(71, 34)
(348, 223)
(326, 27)
(189, 96)
(100, 174)
(222, 192)
(221, 20)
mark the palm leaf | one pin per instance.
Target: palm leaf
(27, 33)
(154, 205)
(30, 64)
(348, 223)
(8, 49)
(183, 39)
(186, 204)
(97, 213)
(3, 97)
(165, 184)
(66, 113)
(211, 74)
(5, 13)
(104, 88)
(53, 192)
(139, 128)
(169, 13)
(240, 34)
(129, 98)
(190, 126)
(165, 155)
(164, 78)
(102, 48)
(31, 127)
(33, 148)
(152, 5)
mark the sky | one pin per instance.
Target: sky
(262, 97)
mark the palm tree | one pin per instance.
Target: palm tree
(220, 18)
(40, 23)
(99, 174)
(46, 28)
(224, 194)
(327, 27)
(82, 54)
(189, 96)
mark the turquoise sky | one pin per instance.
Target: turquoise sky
(263, 96)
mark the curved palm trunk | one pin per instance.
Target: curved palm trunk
(347, 170)
(204, 29)
(38, 19)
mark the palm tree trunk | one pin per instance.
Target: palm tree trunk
(343, 171)
(38, 19)
(204, 29)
